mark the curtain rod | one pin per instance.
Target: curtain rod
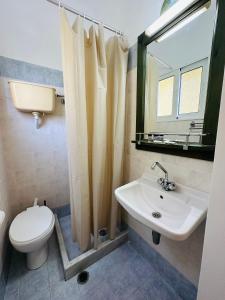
(83, 15)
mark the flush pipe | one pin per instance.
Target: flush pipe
(35, 201)
(37, 119)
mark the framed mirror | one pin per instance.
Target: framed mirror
(180, 71)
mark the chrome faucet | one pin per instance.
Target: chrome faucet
(164, 182)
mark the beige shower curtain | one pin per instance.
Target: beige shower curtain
(151, 91)
(117, 56)
(96, 86)
(90, 93)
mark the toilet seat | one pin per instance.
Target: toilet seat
(32, 224)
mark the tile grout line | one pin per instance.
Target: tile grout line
(19, 286)
(49, 283)
(155, 270)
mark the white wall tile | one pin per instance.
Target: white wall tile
(35, 160)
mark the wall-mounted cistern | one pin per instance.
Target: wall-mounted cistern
(164, 182)
(36, 99)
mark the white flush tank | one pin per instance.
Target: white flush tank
(29, 97)
(32, 97)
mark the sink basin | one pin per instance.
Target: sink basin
(174, 214)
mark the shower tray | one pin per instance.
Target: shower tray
(73, 260)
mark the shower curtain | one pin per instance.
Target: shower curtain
(151, 91)
(94, 85)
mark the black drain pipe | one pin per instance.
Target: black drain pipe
(156, 237)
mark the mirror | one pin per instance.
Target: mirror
(180, 73)
(177, 69)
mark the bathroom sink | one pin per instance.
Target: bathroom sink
(175, 214)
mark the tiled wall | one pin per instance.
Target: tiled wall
(35, 161)
(29, 72)
(5, 206)
(185, 256)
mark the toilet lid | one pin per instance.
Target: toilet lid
(31, 224)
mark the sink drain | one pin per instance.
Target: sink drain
(156, 215)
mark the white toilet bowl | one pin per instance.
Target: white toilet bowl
(29, 233)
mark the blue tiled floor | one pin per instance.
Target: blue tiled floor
(123, 274)
(71, 247)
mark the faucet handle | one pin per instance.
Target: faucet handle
(171, 186)
(161, 181)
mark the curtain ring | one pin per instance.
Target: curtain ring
(84, 18)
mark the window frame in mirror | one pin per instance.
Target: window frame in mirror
(205, 150)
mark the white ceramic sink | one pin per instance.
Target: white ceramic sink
(181, 210)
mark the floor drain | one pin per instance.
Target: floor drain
(83, 277)
(156, 215)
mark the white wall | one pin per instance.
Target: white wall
(29, 29)
(212, 279)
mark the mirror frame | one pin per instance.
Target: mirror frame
(214, 90)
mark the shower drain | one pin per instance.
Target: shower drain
(82, 277)
(156, 215)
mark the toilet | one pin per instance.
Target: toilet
(29, 233)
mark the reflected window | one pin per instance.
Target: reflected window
(165, 97)
(182, 93)
(190, 91)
